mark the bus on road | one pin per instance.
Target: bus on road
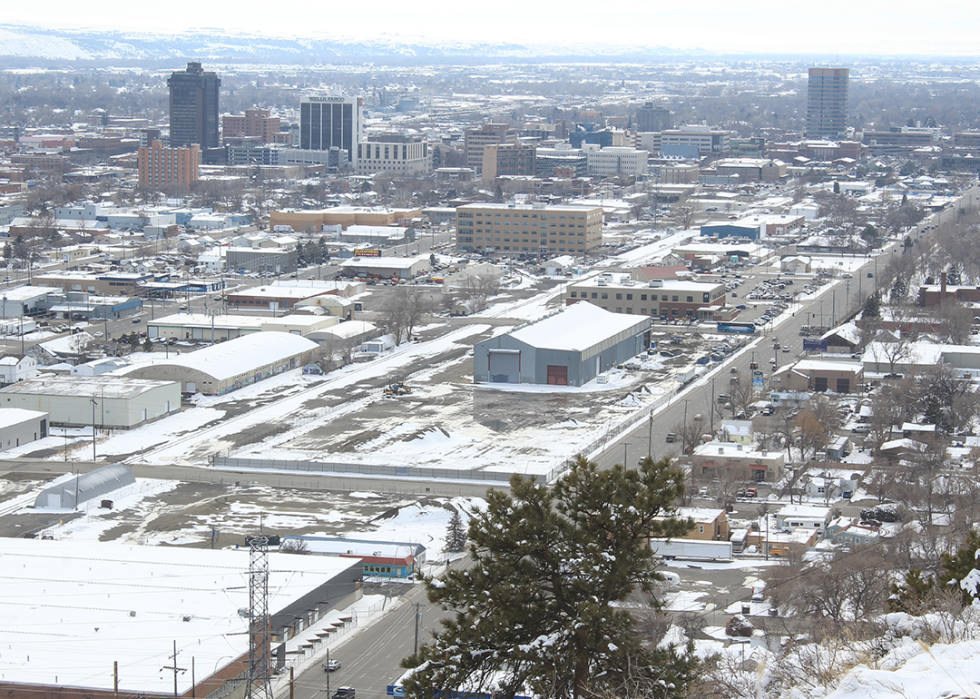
(728, 326)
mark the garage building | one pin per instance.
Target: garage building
(225, 367)
(569, 348)
(385, 267)
(111, 401)
(19, 426)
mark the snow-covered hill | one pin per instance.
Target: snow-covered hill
(60, 44)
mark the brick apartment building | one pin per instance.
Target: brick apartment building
(161, 167)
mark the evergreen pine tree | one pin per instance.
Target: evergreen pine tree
(455, 534)
(540, 608)
(872, 307)
(959, 566)
(912, 594)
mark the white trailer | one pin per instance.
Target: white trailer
(684, 377)
(691, 548)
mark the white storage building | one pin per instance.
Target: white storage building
(109, 401)
(231, 365)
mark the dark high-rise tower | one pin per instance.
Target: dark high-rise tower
(650, 118)
(194, 108)
(826, 102)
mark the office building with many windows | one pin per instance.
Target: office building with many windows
(194, 107)
(826, 102)
(475, 140)
(331, 121)
(403, 154)
(254, 124)
(664, 298)
(510, 229)
(163, 168)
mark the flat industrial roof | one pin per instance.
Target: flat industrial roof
(195, 320)
(665, 285)
(15, 416)
(71, 608)
(88, 386)
(350, 328)
(277, 292)
(26, 293)
(818, 365)
(384, 262)
(580, 209)
(577, 327)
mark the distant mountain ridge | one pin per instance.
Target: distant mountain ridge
(218, 45)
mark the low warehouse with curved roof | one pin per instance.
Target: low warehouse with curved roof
(231, 365)
(84, 487)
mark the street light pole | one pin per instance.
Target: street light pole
(94, 403)
(650, 436)
(625, 447)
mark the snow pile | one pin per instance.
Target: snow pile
(916, 671)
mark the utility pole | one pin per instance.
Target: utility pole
(418, 622)
(175, 668)
(625, 447)
(650, 436)
(711, 410)
(94, 403)
(115, 679)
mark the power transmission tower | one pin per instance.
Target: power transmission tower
(258, 684)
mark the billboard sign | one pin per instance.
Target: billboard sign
(814, 345)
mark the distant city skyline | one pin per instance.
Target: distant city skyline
(869, 27)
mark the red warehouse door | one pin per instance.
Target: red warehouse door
(557, 375)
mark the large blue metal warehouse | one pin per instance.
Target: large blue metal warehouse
(569, 348)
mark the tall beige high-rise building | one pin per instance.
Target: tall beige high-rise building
(826, 102)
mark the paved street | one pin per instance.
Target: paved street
(699, 397)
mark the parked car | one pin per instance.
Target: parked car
(751, 492)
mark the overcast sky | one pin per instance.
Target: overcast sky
(889, 27)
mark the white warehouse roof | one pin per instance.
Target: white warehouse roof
(578, 327)
(71, 608)
(229, 359)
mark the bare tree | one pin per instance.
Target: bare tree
(403, 310)
(955, 322)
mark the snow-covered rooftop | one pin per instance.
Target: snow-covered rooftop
(102, 386)
(234, 357)
(71, 608)
(806, 365)
(578, 327)
(803, 511)
(384, 262)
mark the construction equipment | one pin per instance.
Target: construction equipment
(398, 388)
